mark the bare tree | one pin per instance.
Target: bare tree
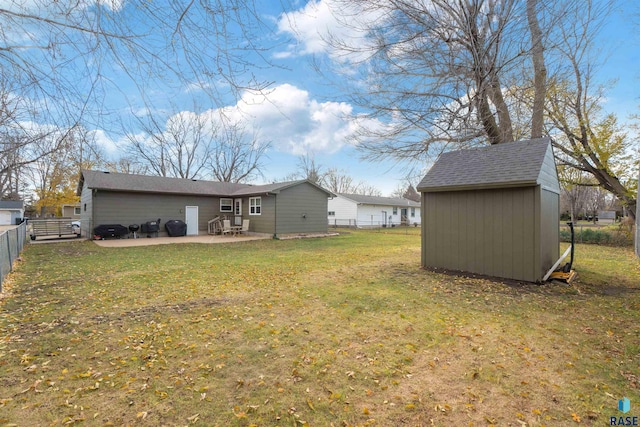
(192, 145)
(237, 155)
(437, 72)
(589, 141)
(58, 60)
(307, 168)
(180, 148)
(339, 181)
(469, 72)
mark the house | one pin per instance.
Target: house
(606, 217)
(71, 211)
(355, 210)
(11, 211)
(493, 211)
(126, 199)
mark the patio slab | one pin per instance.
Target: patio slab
(208, 239)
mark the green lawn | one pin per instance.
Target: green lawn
(340, 331)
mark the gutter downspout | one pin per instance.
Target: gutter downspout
(275, 218)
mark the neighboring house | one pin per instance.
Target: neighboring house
(281, 208)
(355, 210)
(71, 211)
(493, 211)
(11, 211)
(606, 217)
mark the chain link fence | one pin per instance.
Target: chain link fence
(11, 243)
(353, 223)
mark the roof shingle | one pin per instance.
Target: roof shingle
(504, 165)
(112, 181)
(384, 201)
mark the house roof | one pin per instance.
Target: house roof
(112, 181)
(376, 200)
(11, 204)
(515, 164)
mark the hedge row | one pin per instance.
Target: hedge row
(598, 237)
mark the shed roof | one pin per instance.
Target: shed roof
(11, 204)
(515, 164)
(377, 200)
(113, 181)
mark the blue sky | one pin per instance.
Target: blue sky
(304, 115)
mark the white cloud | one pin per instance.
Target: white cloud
(294, 122)
(103, 140)
(317, 22)
(48, 6)
(287, 117)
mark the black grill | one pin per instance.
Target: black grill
(151, 227)
(110, 230)
(175, 228)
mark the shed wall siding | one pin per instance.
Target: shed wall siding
(550, 237)
(137, 208)
(488, 232)
(301, 199)
(86, 212)
(548, 178)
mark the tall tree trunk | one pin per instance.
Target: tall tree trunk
(638, 222)
(539, 69)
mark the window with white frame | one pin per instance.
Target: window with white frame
(395, 210)
(413, 212)
(255, 205)
(77, 210)
(332, 213)
(226, 205)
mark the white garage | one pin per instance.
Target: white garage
(11, 211)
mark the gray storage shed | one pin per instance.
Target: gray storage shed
(493, 211)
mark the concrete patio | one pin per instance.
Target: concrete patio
(208, 239)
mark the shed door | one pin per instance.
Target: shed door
(191, 218)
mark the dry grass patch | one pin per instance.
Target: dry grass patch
(346, 330)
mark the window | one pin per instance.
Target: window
(255, 205)
(332, 213)
(226, 205)
(413, 212)
(77, 211)
(395, 210)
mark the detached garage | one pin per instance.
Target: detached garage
(493, 211)
(11, 211)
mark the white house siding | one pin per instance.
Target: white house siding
(346, 212)
(373, 215)
(350, 213)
